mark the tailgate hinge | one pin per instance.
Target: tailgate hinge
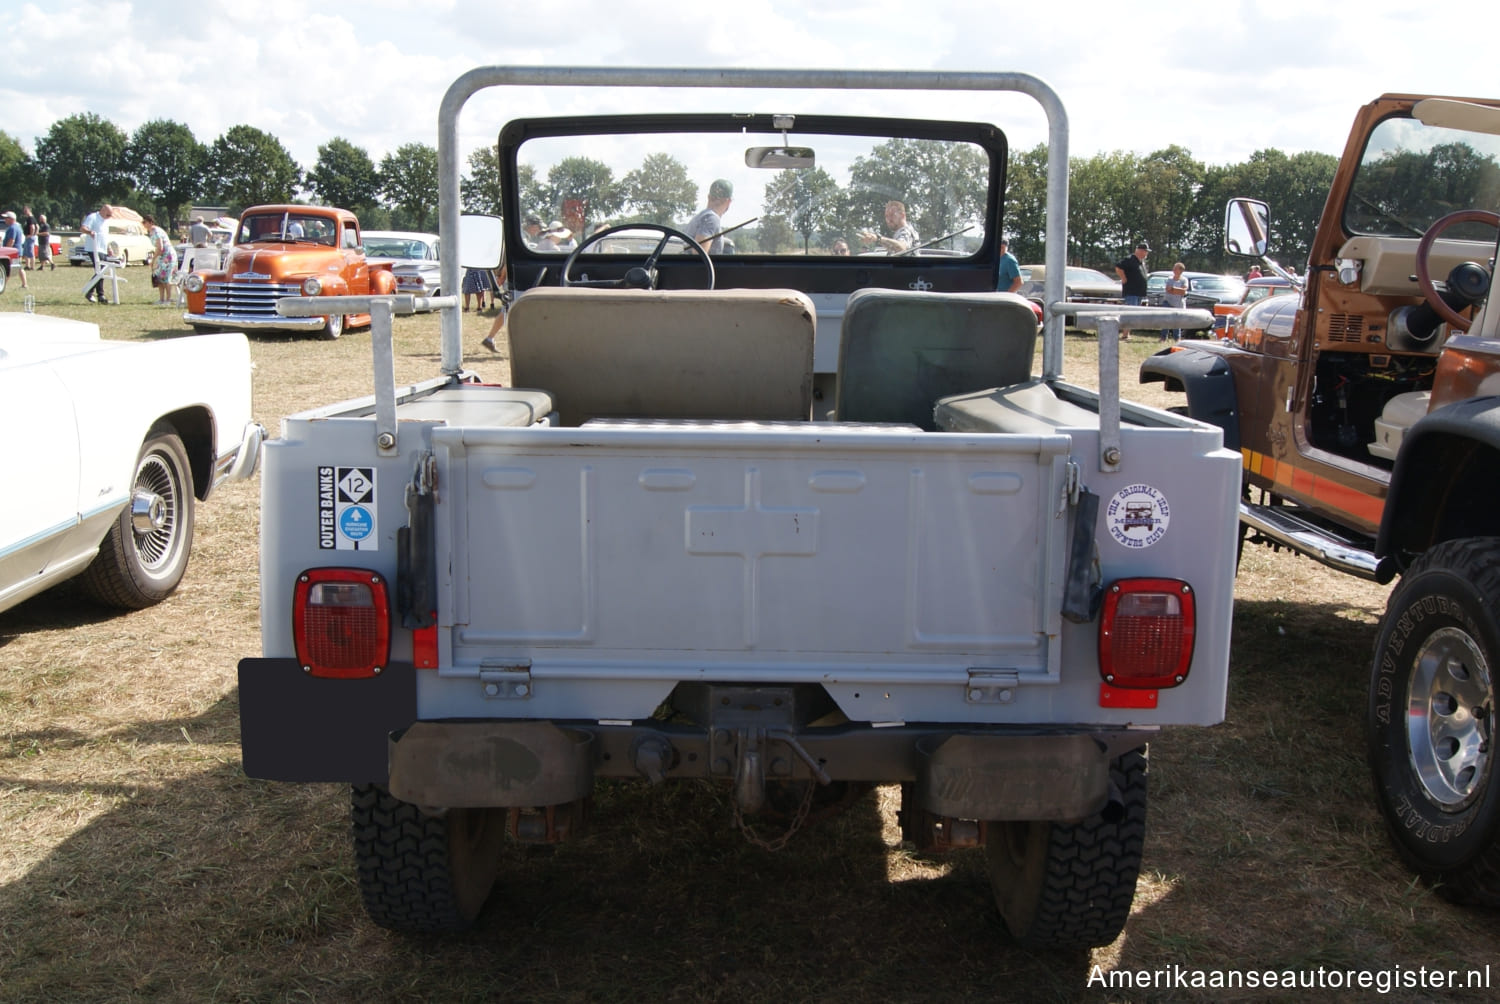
(992, 686)
(1072, 485)
(505, 681)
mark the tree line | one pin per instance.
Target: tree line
(1168, 198)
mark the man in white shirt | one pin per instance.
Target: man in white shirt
(96, 242)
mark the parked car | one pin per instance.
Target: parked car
(413, 259)
(126, 241)
(1080, 285)
(1205, 290)
(115, 441)
(1227, 314)
(9, 259)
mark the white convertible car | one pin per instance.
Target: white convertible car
(106, 446)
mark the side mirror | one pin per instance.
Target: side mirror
(1247, 228)
(481, 241)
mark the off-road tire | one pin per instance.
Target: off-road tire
(422, 873)
(135, 569)
(1069, 885)
(1430, 721)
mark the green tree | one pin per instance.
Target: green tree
(1295, 187)
(1098, 231)
(807, 199)
(1164, 196)
(660, 191)
(481, 190)
(18, 174)
(1025, 214)
(166, 162)
(82, 158)
(248, 167)
(409, 182)
(345, 176)
(587, 180)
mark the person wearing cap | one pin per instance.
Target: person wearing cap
(14, 239)
(531, 230)
(1010, 269)
(706, 226)
(903, 234)
(1132, 272)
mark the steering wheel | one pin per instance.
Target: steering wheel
(641, 276)
(1424, 248)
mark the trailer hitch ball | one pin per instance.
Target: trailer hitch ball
(750, 783)
(653, 757)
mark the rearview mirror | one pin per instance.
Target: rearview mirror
(481, 241)
(780, 157)
(1247, 227)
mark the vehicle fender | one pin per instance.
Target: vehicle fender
(382, 281)
(1206, 380)
(333, 285)
(1446, 479)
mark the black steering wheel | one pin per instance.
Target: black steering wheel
(641, 276)
(1424, 250)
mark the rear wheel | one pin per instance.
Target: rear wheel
(1431, 718)
(420, 872)
(145, 553)
(1069, 885)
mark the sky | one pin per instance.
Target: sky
(1222, 79)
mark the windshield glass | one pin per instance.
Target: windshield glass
(1413, 174)
(864, 194)
(395, 247)
(1217, 283)
(292, 227)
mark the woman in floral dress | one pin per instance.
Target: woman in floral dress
(163, 261)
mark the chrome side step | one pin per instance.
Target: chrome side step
(1281, 525)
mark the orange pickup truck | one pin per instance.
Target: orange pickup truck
(286, 251)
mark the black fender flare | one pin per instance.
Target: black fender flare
(1445, 479)
(1206, 379)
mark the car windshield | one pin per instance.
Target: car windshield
(755, 192)
(397, 247)
(286, 226)
(1413, 174)
(1254, 293)
(1156, 284)
(1216, 284)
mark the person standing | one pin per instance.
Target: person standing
(199, 234)
(706, 226)
(1132, 272)
(163, 260)
(44, 243)
(28, 235)
(903, 234)
(1010, 269)
(1175, 295)
(14, 239)
(96, 243)
(1254, 273)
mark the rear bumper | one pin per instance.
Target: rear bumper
(298, 728)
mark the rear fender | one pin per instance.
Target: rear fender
(1206, 380)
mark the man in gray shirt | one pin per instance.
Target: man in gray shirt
(705, 227)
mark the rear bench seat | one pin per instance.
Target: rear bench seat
(743, 354)
(479, 405)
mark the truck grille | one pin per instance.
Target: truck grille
(247, 299)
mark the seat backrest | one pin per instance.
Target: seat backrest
(687, 354)
(901, 351)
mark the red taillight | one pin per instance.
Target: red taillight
(341, 622)
(1146, 633)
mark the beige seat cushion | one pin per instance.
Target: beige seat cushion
(694, 354)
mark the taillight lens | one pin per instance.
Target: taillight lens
(1146, 633)
(341, 622)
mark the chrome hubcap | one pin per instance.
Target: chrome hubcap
(1448, 722)
(154, 509)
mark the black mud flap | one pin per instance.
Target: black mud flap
(295, 727)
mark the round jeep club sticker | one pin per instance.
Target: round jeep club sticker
(1138, 516)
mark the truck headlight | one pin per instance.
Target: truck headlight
(312, 286)
(193, 283)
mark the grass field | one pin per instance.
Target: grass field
(137, 862)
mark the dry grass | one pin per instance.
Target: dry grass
(140, 864)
